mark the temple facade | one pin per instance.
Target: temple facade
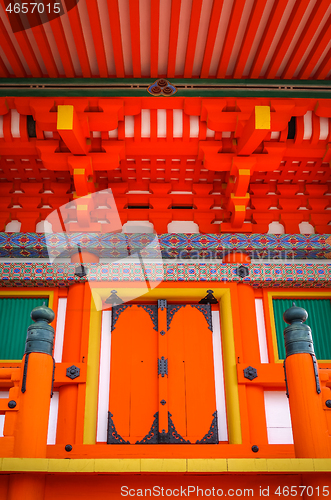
(164, 249)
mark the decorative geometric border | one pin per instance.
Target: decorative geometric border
(189, 246)
(260, 275)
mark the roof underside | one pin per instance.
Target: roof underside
(269, 39)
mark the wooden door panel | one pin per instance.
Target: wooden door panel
(192, 400)
(133, 397)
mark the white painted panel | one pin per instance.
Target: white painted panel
(129, 126)
(138, 226)
(164, 33)
(104, 377)
(59, 333)
(15, 123)
(194, 126)
(307, 125)
(2, 424)
(210, 133)
(219, 378)
(113, 134)
(324, 128)
(48, 134)
(280, 435)
(161, 123)
(13, 227)
(276, 228)
(261, 331)
(275, 135)
(1, 127)
(145, 123)
(306, 228)
(4, 394)
(183, 226)
(226, 134)
(178, 123)
(52, 421)
(277, 409)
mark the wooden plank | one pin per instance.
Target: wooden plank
(230, 37)
(155, 19)
(94, 17)
(135, 37)
(114, 19)
(212, 32)
(76, 28)
(316, 51)
(192, 37)
(267, 37)
(324, 68)
(10, 51)
(63, 48)
(173, 37)
(248, 39)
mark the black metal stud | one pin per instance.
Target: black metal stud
(68, 447)
(73, 372)
(12, 404)
(255, 448)
(250, 373)
(163, 402)
(328, 403)
(242, 272)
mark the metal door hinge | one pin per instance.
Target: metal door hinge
(162, 366)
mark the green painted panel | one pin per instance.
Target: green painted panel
(319, 320)
(14, 321)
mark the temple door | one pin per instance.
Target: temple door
(162, 387)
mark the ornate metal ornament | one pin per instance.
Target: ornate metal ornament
(114, 299)
(73, 372)
(173, 436)
(152, 436)
(212, 435)
(242, 271)
(162, 366)
(162, 304)
(117, 311)
(209, 298)
(171, 310)
(112, 436)
(162, 332)
(152, 311)
(250, 373)
(163, 402)
(161, 87)
(206, 311)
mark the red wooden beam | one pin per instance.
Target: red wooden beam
(10, 51)
(290, 29)
(135, 37)
(192, 37)
(267, 37)
(45, 51)
(63, 48)
(247, 42)
(94, 17)
(316, 51)
(4, 73)
(76, 28)
(173, 37)
(302, 44)
(212, 32)
(324, 67)
(114, 19)
(230, 37)
(155, 17)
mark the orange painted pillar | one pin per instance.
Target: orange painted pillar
(68, 394)
(32, 419)
(251, 357)
(309, 426)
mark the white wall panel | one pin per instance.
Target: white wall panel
(219, 378)
(261, 331)
(104, 377)
(279, 426)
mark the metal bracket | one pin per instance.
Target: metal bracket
(73, 372)
(117, 310)
(162, 366)
(173, 436)
(152, 311)
(162, 332)
(212, 435)
(318, 387)
(152, 436)
(206, 311)
(162, 304)
(171, 310)
(25, 373)
(112, 436)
